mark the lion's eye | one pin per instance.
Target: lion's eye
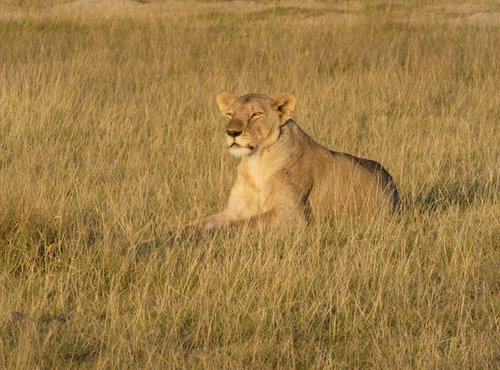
(229, 115)
(256, 115)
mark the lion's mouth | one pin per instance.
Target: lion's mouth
(236, 145)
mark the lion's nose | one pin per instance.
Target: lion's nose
(233, 133)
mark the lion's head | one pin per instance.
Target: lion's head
(253, 120)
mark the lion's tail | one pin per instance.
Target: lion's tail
(389, 186)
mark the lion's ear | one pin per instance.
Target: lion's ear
(285, 103)
(224, 100)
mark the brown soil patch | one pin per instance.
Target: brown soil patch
(484, 18)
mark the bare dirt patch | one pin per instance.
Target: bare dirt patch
(134, 7)
(484, 18)
(99, 5)
(304, 12)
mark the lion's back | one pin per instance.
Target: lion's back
(385, 179)
(348, 185)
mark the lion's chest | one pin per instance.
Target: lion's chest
(253, 176)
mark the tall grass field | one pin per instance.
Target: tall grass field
(110, 138)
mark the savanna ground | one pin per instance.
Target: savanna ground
(110, 137)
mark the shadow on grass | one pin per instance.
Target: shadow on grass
(440, 197)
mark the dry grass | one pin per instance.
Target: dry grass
(109, 137)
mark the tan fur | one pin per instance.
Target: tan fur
(286, 178)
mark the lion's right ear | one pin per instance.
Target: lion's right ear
(284, 103)
(224, 100)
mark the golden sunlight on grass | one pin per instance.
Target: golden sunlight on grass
(110, 137)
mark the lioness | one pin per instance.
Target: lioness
(285, 177)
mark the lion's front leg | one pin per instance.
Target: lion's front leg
(221, 221)
(277, 217)
(241, 205)
(284, 206)
(259, 221)
(217, 221)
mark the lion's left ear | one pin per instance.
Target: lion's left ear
(285, 103)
